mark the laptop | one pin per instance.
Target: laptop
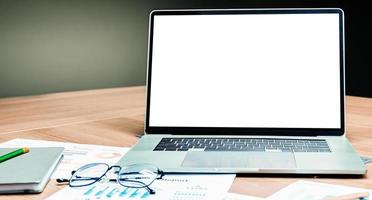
(246, 91)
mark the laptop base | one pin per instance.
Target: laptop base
(341, 160)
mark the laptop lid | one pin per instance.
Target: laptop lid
(246, 72)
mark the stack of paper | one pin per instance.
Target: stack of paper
(307, 190)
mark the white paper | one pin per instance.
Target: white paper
(75, 155)
(171, 187)
(307, 190)
(234, 196)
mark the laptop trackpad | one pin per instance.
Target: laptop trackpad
(262, 160)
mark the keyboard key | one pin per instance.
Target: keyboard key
(242, 144)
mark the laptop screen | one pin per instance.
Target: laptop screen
(246, 70)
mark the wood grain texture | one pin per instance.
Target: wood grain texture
(115, 117)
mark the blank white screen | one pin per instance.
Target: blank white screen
(266, 70)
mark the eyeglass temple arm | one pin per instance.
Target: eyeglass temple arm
(161, 174)
(151, 191)
(64, 180)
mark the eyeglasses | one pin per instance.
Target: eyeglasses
(131, 176)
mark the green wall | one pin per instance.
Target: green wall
(64, 45)
(52, 46)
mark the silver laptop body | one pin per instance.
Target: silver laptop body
(246, 91)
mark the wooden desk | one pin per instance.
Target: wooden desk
(115, 116)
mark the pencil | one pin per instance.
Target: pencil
(14, 154)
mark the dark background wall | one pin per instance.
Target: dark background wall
(51, 46)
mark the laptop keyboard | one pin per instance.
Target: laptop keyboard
(243, 144)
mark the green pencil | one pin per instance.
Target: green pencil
(14, 154)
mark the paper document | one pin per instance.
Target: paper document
(75, 155)
(307, 190)
(233, 196)
(171, 187)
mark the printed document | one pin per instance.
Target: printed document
(233, 196)
(171, 187)
(308, 190)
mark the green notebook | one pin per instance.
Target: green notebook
(29, 172)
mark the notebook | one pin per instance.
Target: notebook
(29, 172)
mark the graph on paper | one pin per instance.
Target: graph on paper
(113, 192)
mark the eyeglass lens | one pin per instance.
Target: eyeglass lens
(88, 174)
(137, 176)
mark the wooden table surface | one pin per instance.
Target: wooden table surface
(116, 116)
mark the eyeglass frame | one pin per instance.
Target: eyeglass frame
(160, 175)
